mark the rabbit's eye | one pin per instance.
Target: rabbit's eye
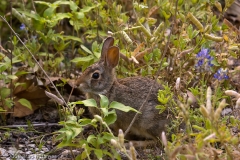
(95, 75)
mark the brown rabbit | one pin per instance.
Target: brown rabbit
(100, 78)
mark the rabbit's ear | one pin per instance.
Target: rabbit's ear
(112, 57)
(106, 45)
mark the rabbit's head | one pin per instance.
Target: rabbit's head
(99, 77)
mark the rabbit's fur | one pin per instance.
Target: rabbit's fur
(100, 78)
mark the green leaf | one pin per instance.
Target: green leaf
(79, 15)
(122, 107)
(199, 128)
(88, 8)
(82, 59)
(98, 153)
(25, 103)
(89, 103)
(107, 136)
(84, 121)
(65, 37)
(31, 15)
(161, 108)
(49, 12)
(19, 73)
(72, 118)
(61, 16)
(73, 6)
(76, 131)
(4, 92)
(92, 140)
(44, 3)
(2, 110)
(103, 101)
(12, 77)
(105, 111)
(111, 117)
(86, 49)
(69, 135)
(8, 102)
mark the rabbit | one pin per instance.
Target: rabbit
(100, 78)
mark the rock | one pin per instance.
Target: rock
(3, 152)
(31, 145)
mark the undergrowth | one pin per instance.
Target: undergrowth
(185, 45)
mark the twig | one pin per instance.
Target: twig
(157, 74)
(33, 6)
(37, 63)
(34, 125)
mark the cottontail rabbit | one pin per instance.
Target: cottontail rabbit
(100, 78)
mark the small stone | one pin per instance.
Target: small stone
(19, 157)
(28, 152)
(3, 152)
(21, 145)
(12, 150)
(31, 145)
(32, 156)
(45, 149)
(226, 111)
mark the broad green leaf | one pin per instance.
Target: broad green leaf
(61, 2)
(85, 49)
(73, 6)
(2, 110)
(76, 131)
(18, 73)
(83, 155)
(84, 121)
(89, 103)
(72, 38)
(92, 140)
(31, 15)
(8, 102)
(103, 101)
(72, 118)
(110, 118)
(98, 153)
(105, 111)
(61, 16)
(82, 59)
(122, 107)
(25, 103)
(60, 136)
(12, 77)
(4, 92)
(79, 15)
(88, 8)
(69, 135)
(44, 3)
(107, 136)
(49, 12)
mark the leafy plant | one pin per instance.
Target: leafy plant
(71, 133)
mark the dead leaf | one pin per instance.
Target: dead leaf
(21, 111)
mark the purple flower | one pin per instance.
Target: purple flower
(221, 74)
(22, 27)
(204, 59)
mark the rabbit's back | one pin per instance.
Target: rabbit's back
(132, 92)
